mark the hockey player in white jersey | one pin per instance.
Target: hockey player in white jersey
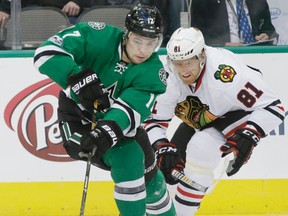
(226, 101)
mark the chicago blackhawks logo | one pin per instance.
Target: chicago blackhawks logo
(194, 113)
(32, 114)
(225, 73)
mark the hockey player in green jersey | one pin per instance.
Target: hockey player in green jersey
(123, 73)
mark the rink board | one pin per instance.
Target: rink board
(37, 180)
(234, 197)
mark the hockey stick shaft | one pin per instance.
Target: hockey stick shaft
(86, 181)
(88, 166)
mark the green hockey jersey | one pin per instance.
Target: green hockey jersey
(133, 88)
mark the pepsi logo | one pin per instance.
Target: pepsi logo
(32, 114)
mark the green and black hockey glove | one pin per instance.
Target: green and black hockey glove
(87, 86)
(105, 135)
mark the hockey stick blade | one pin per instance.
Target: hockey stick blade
(180, 176)
(232, 160)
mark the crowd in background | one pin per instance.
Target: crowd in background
(218, 19)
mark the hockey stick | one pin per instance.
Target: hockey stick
(180, 176)
(86, 181)
(227, 163)
(88, 166)
(226, 166)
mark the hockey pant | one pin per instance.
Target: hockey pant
(202, 157)
(133, 191)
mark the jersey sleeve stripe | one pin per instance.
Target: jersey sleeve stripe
(133, 116)
(42, 54)
(149, 128)
(276, 109)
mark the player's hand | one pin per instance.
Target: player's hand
(168, 159)
(105, 135)
(87, 86)
(241, 143)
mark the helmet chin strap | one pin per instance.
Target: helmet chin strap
(124, 46)
(202, 62)
(201, 65)
(126, 53)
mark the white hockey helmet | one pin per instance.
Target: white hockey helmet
(185, 43)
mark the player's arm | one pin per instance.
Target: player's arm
(146, 81)
(266, 113)
(131, 109)
(253, 95)
(61, 55)
(120, 121)
(134, 104)
(167, 153)
(163, 111)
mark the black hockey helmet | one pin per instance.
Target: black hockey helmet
(145, 21)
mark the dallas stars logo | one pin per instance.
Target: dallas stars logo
(97, 25)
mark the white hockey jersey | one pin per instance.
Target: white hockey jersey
(228, 95)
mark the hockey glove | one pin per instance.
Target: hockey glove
(87, 86)
(241, 143)
(105, 135)
(168, 159)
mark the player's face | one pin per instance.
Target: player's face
(140, 48)
(188, 69)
